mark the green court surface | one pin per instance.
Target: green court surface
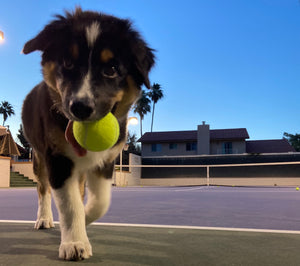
(125, 245)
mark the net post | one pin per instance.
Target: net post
(207, 175)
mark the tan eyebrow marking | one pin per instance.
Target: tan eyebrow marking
(74, 49)
(106, 55)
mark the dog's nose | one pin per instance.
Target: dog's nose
(81, 110)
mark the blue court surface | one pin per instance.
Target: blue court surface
(166, 226)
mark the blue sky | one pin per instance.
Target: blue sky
(231, 63)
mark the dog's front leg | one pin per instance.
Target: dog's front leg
(65, 180)
(74, 241)
(99, 182)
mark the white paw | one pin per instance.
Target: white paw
(75, 250)
(44, 223)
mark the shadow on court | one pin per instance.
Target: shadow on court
(20, 244)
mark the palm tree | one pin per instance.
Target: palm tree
(25, 144)
(22, 138)
(132, 145)
(155, 94)
(6, 110)
(142, 107)
(294, 140)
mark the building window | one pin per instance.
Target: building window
(173, 146)
(156, 147)
(227, 148)
(191, 146)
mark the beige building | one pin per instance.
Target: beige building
(206, 141)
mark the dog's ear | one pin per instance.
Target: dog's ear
(50, 34)
(144, 61)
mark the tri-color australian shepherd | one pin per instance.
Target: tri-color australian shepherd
(92, 64)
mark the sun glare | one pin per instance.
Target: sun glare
(133, 120)
(1, 36)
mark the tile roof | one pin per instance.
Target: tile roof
(191, 135)
(3, 131)
(268, 146)
(234, 133)
(169, 136)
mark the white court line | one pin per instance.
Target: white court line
(209, 189)
(159, 189)
(140, 189)
(190, 188)
(159, 226)
(20, 222)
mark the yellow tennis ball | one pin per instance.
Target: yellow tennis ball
(99, 135)
(297, 188)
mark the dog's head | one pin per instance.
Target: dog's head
(94, 64)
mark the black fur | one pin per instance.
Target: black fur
(59, 168)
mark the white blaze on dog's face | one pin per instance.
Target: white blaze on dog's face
(92, 33)
(93, 67)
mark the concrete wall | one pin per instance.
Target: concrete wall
(262, 181)
(24, 168)
(131, 177)
(4, 171)
(126, 178)
(241, 181)
(173, 182)
(135, 178)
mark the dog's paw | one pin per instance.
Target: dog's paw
(43, 224)
(75, 250)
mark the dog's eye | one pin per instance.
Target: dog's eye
(68, 64)
(110, 72)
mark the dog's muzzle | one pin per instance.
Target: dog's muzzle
(81, 109)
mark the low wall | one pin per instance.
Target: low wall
(132, 177)
(24, 168)
(262, 181)
(4, 171)
(135, 178)
(126, 178)
(237, 181)
(173, 181)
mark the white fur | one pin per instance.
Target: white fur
(99, 196)
(93, 159)
(74, 240)
(44, 215)
(73, 215)
(85, 91)
(92, 33)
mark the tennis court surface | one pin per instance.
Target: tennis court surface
(166, 226)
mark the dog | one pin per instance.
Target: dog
(92, 64)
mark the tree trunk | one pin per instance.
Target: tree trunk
(141, 126)
(152, 117)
